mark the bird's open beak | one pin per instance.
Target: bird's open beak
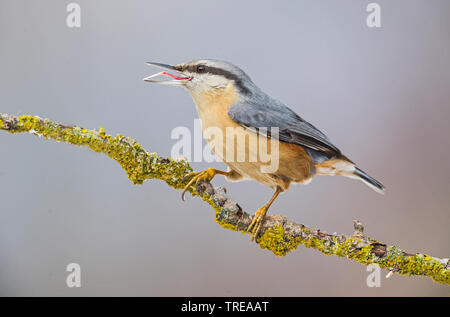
(176, 80)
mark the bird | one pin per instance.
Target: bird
(226, 98)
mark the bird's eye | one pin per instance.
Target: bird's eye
(201, 69)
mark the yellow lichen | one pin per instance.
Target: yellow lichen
(275, 240)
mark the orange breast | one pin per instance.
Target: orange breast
(242, 150)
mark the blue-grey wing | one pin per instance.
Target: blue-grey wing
(292, 128)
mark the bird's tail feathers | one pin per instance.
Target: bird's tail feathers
(369, 181)
(348, 169)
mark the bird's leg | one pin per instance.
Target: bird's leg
(257, 221)
(197, 177)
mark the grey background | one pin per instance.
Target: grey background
(382, 95)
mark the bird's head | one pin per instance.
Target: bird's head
(205, 75)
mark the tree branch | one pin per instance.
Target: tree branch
(279, 234)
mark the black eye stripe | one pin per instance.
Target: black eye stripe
(214, 71)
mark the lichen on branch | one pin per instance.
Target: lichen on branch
(279, 234)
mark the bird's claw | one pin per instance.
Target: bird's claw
(255, 226)
(197, 177)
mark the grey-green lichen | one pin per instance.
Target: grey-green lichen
(279, 235)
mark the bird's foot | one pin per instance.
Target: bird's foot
(255, 226)
(197, 177)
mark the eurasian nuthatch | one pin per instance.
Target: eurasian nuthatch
(226, 97)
